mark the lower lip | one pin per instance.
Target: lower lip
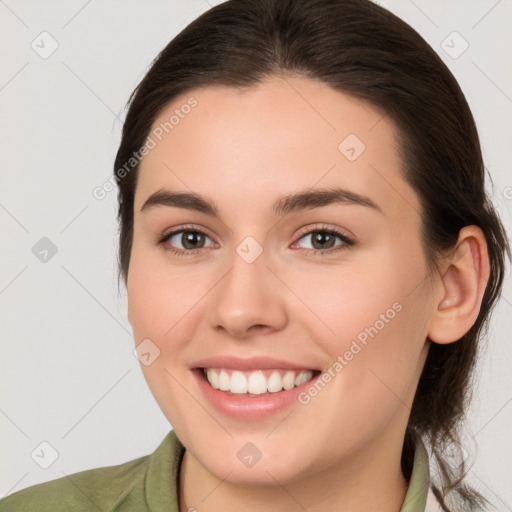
(249, 408)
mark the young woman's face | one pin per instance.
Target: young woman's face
(255, 280)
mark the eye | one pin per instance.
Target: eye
(323, 240)
(191, 240)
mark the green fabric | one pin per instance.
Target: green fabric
(143, 485)
(416, 497)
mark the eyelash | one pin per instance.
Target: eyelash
(347, 241)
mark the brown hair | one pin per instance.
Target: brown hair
(363, 50)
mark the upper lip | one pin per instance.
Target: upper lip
(247, 364)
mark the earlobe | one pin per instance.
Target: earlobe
(460, 287)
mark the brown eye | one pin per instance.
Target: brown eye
(190, 241)
(323, 241)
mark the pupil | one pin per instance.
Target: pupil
(190, 238)
(321, 238)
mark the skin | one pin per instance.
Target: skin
(342, 450)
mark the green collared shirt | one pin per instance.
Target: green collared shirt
(143, 485)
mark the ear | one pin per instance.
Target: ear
(460, 287)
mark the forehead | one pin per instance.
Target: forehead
(280, 136)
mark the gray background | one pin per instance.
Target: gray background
(68, 374)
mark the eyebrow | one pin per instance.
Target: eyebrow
(304, 200)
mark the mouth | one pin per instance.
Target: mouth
(256, 383)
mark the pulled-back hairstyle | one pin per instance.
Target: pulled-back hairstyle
(363, 50)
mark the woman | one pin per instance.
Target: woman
(310, 258)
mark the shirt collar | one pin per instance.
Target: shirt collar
(162, 480)
(164, 469)
(416, 496)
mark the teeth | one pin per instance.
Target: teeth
(238, 383)
(274, 383)
(257, 382)
(223, 381)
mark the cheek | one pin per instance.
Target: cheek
(341, 301)
(160, 295)
(163, 307)
(373, 317)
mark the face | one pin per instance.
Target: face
(335, 284)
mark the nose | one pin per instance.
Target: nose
(248, 299)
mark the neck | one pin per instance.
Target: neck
(369, 480)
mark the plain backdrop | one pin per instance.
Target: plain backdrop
(73, 396)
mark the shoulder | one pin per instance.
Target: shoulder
(92, 489)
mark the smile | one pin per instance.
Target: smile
(256, 382)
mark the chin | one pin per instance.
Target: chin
(233, 464)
